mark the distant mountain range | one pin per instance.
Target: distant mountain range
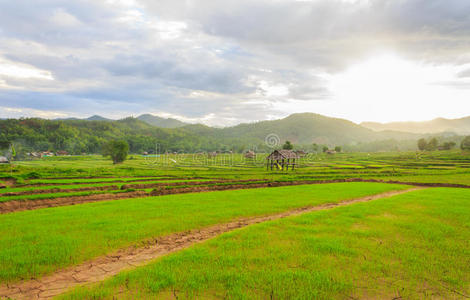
(303, 128)
(439, 125)
(294, 126)
(147, 118)
(145, 131)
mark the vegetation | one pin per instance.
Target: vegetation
(117, 150)
(422, 144)
(412, 246)
(287, 146)
(433, 144)
(88, 136)
(36, 242)
(465, 145)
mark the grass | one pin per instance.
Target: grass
(412, 246)
(438, 166)
(33, 243)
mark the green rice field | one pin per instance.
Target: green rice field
(409, 246)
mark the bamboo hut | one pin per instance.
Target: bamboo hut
(250, 154)
(281, 159)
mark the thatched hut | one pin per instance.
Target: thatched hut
(4, 160)
(211, 154)
(301, 153)
(281, 159)
(250, 154)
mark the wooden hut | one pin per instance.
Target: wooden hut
(301, 153)
(211, 154)
(281, 159)
(250, 154)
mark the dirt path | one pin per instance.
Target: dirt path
(102, 268)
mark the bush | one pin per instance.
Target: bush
(31, 175)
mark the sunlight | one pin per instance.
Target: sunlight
(388, 88)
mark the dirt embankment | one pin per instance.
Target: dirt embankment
(19, 205)
(108, 181)
(7, 182)
(56, 190)
(104, 267)
(165, 189)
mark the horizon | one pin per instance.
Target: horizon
(236, 124)
(197, 62)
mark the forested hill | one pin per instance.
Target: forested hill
(161, 122)
(87, 136)
(439, 125)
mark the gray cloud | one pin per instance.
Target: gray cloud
(197, 58)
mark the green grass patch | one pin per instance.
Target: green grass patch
(412, 246)
(33, 243)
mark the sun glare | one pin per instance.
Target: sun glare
(388, 88)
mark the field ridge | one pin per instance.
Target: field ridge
(101, 268)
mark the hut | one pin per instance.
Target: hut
(4, 160)
(250, 154)
(330, 152)
(301, 153)
(281, 159)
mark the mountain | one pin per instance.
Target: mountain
(97, 118)
(439, 125)
(161, 122)
(303, 128)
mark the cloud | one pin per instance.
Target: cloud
(222, 62)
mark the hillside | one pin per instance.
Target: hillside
(439, 125)
(161, 122)
(304, 129)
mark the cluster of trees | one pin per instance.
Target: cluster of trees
(82, 136)
(465, 144)
(433, 144)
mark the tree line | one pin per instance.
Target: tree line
(433, 144)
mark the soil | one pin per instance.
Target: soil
(56, 190)
(7, 182)
(20, 205)
(113, 181)
(104, 267)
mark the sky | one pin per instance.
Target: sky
(227, 62)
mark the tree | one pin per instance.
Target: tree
(325, 148)
(117, 150)
(287, 146)
(13, 152)
(422, 144)
(432, 144)
(448, 145)
(315, 147)
(465, 145)
(338, 149)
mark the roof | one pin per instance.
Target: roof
(282, 154)
(3, 159)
